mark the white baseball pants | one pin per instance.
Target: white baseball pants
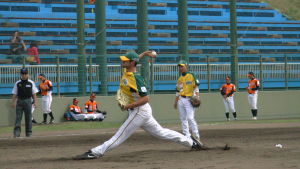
(78, 116)
(187, 117)
(252, 100)
(141, 117)
(46, 103)
(94, 116)
(32, 110)
(229, 104)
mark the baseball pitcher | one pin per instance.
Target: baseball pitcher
(133, 86)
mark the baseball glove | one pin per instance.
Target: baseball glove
(122, 100)
(195, 101)
(43, 87)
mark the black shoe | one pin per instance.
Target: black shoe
(33, 121)
(197, 145)
(86, 156)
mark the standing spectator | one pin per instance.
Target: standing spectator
(46, 88)
(33, 54)
(253, 86)
(186, 87)
(227, 91)
(92, 110)
(17, 47)
(24, 96)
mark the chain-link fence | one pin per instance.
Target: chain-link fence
(281, 73)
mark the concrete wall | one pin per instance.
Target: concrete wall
(271, 104)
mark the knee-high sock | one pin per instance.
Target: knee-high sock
(255, 112)
(45, 117)
(234, 114)
(51, 115)
(227, 115)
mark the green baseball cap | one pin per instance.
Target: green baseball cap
(132, 56)
(182, 63)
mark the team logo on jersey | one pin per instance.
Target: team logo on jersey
(188, 82)
(125, 82)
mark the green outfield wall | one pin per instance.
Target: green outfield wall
(271, 105)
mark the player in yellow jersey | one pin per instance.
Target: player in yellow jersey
(133, 86)
(186, 87)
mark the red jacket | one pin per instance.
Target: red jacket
(33, 51)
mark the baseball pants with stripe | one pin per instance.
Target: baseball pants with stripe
(187, 117)
(141, 117)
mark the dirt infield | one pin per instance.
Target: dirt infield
(252, 146)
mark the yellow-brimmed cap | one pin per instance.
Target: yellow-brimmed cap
(124, 58)
(182, 63)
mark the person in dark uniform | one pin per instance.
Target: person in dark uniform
(24, 95)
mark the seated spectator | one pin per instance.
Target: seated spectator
(92, 110)
(17, 47)
(33, 54)
(75, 112)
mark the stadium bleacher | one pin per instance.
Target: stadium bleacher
(261, 29)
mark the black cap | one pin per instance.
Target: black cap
(24, 71)
(43, 75)
(251, 73)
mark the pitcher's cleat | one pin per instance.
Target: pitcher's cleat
(86, 156)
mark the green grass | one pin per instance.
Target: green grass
(97, 125)
(290, 8)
